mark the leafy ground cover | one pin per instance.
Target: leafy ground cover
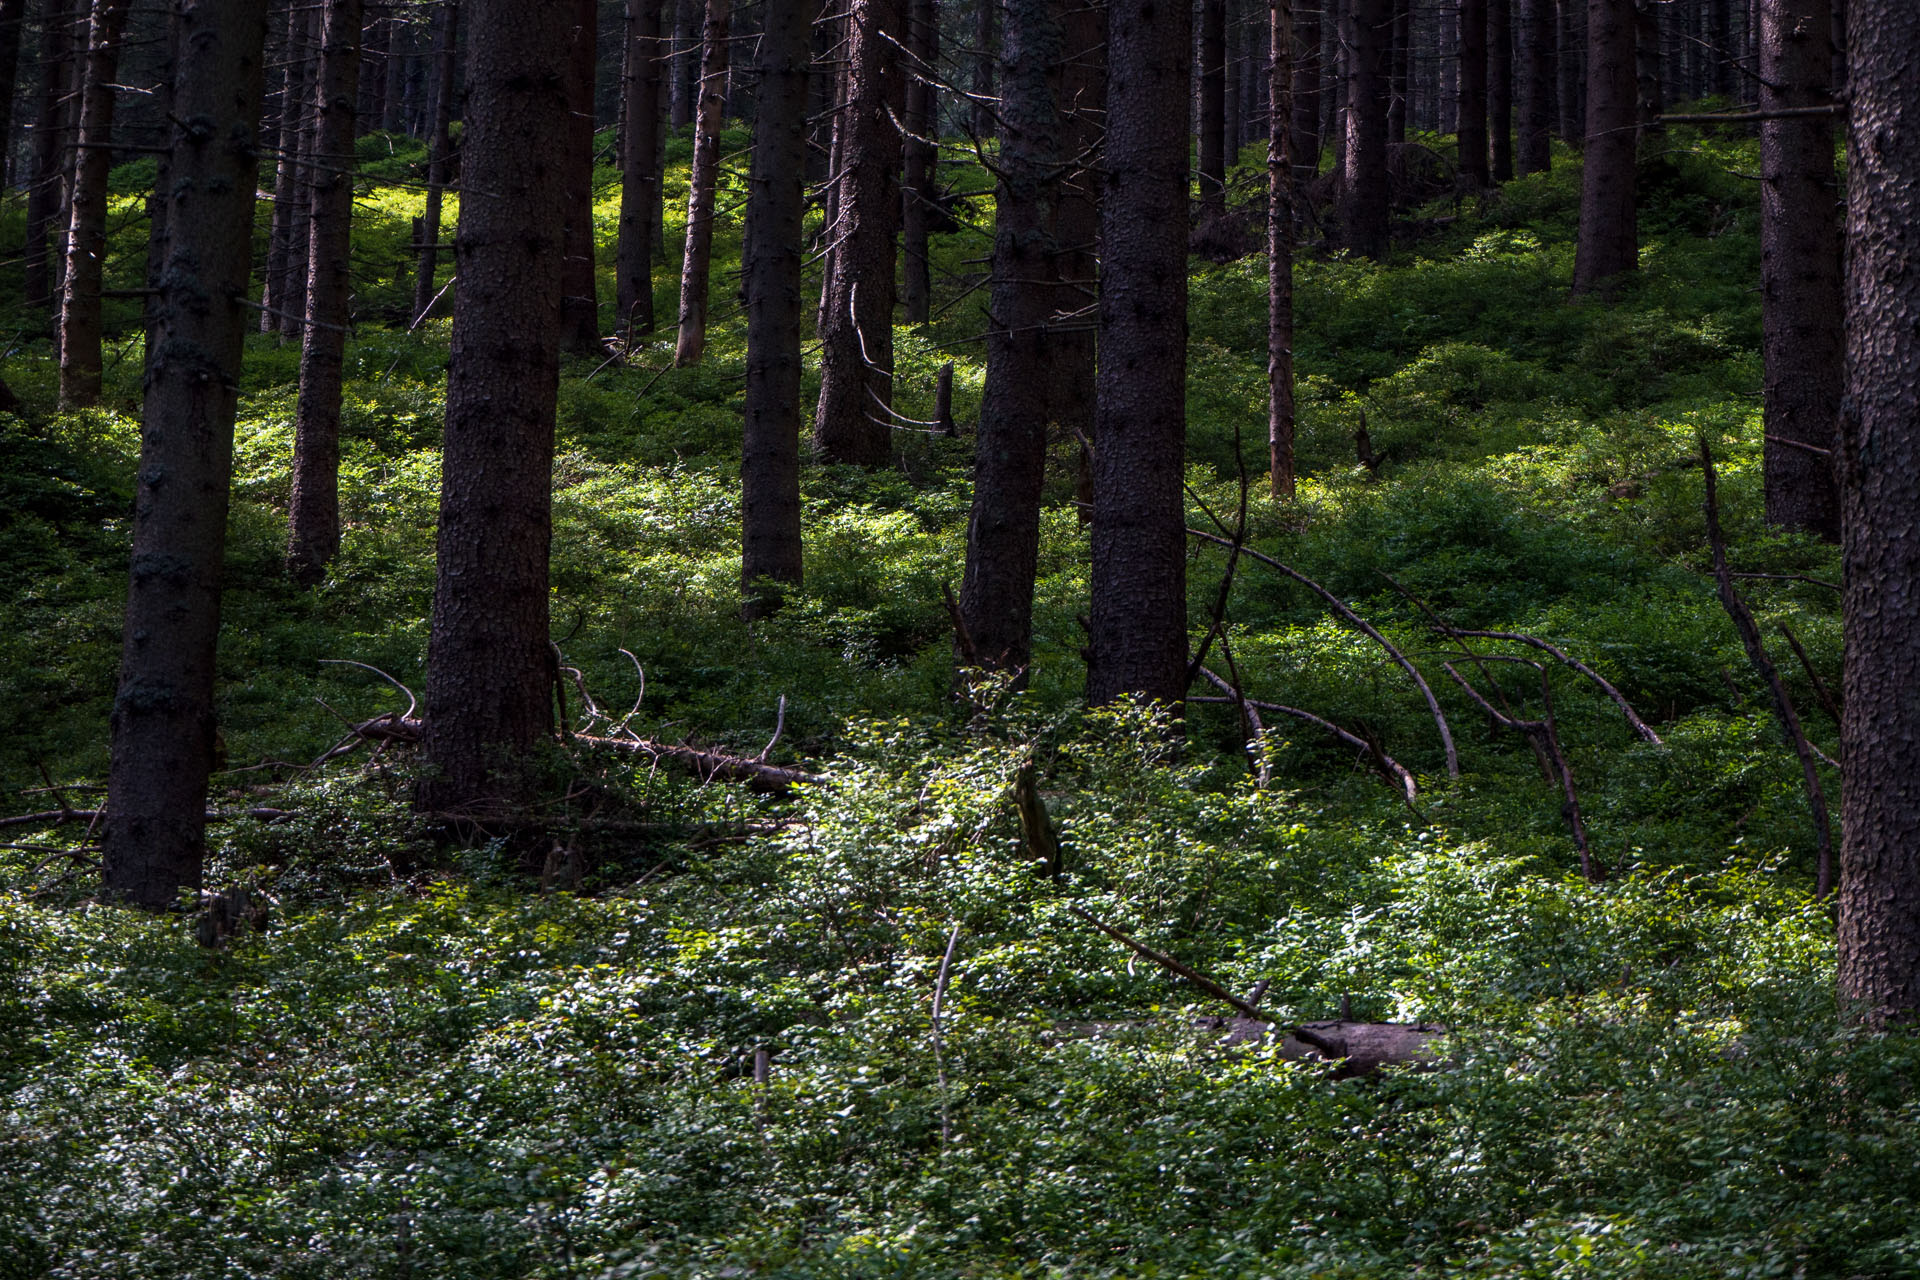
(434, 1064)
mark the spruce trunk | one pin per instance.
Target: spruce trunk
(80, 315)
(703, 186)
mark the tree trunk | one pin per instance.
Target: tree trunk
(393, 93)
(284, 290)
(852, 421)
(489, 667)
(983, 67)
(684, 67)
(1800, 290)
(1138, 635)
(579, 296)
(770, 548)
(1399, 75)
(12, 13)
(640, 174)
(163, 727)
(1307, 67)
(917, 190)
(1364, 196)
(1213, 106)
(375, 30)
(439, 155)
(87, 229)
(1609, 237)
(1500, 87)
(51, 153)
(702, 187)
(1720, 36)
(1449, 35)
(313, 535)
(1472, 132)
(1537, 88)
(1573, 72)
(1280, 190)
(1082, 102)
(1879, 938)
(1003, 533)
(1646, 64)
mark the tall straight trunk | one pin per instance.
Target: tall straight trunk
(1307, 66)
(1537, 88)
(1673, 49)
(283, 286)
(1573, 72)
(1213, 105)
(640, 173)
(290, 302)
(1234, 69)
(916, 194)
(1003, 532)
(393, 92)
(852, 422)
(1609, 234)
(702, 187)
(51, 151)
(1364, 196)
(1801, 305)
(1839, 63)
(1500, 87)
(87, 227)
(375, 31)
(579, 296)
(770, 548)
(1400, 72)
(1449, 26)
(1138, 635)
(1474, 171)
(1720, 37)
(313, 534)
(163, 728)
(1082, 101)
(490, 673)
(446, 40)
(1879, 940)
(12, 15)
(1280, 198)
(1334, 128)
(984, 27)
(1646, 64)
(684, 76)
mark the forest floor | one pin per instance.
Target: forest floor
(537, 1058)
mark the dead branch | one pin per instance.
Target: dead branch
(1360, 624)
(1193, 976)
(55, 817)
(1639, 726)
(1828, 703)
(1545, 736)
(1392, 768)
(1757, 655)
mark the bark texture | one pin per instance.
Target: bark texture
(1213, 105)
(489, 674)
(703, 185)
(284, 290)
(918, 192)
(1364, 196)
(1880, 494)
(11, 14)
(1538, 90)
(87, 225)
(1081, 99)
(1801, 309)
(163, 713)
(1500, 88)
(579, 296)
(446, 40)
(1280, 195)
(1138, 639)
(852, 422)
(313, 536)
(640, 170)
(51, 154)
(1003, 531)
(1472, 129)
(770, 548)
(1609, 236)
(1307, 66)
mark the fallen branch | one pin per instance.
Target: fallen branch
(1545, 736)
(1757, 654)
(1360, 624)
(1388, 765)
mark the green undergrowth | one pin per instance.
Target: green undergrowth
(440, 1062)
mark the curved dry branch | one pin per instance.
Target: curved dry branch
(1388, 765)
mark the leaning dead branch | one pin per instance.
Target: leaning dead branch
(1393, 769)
(1545, 736)
(1763, 664)
(1360, 1048)
(1360, 624)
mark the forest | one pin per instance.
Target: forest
(959, 638)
